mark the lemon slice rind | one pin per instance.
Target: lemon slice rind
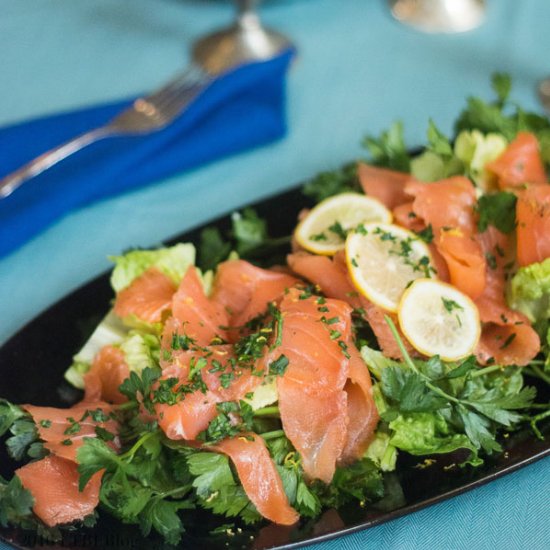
(349, 210)
(383, 259)
(438, 319)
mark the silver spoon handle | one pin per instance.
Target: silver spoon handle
(14, 180)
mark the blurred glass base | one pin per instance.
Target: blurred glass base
(439, 16)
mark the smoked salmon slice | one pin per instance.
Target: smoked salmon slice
(533, 224)
(53, 483)
(147, 297)
(519, 163)
(465, 260)
(447, 203)
(245, 290)
(109, 369)
(405, 216)
(388, 186)
(312, 400)
(362, 412)
(63, 430)
(507, 338)
(194, 411)
(259, 477)
(201, 319)
(331, 277)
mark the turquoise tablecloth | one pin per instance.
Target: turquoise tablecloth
(357, 71)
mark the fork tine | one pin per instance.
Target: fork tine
(164, 100)
(172, 106)
(181, 81)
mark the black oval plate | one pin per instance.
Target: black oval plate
(32, 364)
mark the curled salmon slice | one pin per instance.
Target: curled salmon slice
(245, 290)
(316, 423)
(147, 297)
(312, 330)
(388, 186)
(362, 412)
(109, 369)
(259, 477)
(405, 216)
(53, 483)
(465, 260)
(533, 224)
(447, 203)
(63, 430)
(519, 163)
(329, 275)
(508, 344)
(312, 400)
(200, 318)
(507, 338)
(189, 417)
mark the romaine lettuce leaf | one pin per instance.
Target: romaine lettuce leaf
(529, 291)
(475, 150)
(109, 331)
(382, 452)
(140, 351)
(172, 261)
(376, 361)
(425, 433)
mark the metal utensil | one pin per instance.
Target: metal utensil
(146, 114)
(446, 16)
(244, 42)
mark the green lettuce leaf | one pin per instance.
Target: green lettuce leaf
(376, 361)
(141, 351)
(172, 261)
(426, 433)
(529, 291)
(382, 452)
(475, 150)
(109, 331)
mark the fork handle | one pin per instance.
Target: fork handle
(12, 181)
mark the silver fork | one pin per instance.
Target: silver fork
(145, 115)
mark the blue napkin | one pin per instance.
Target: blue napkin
(243, 109)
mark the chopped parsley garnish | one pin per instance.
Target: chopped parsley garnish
(104, 434)
(338, 230)
(508, 340)
(279, 366)
(498, 210)
(74, 427)
(330, 321)
(426, 234)
(491, 260)
(450, 305)
(225, 424)
(318, 237)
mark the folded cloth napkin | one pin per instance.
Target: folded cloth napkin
(242, 109)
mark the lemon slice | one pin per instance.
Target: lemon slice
(438, 319)
(323, 230)
(384, 259)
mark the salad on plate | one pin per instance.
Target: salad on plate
(410, 315)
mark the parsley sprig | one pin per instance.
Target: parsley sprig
(454, 393)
